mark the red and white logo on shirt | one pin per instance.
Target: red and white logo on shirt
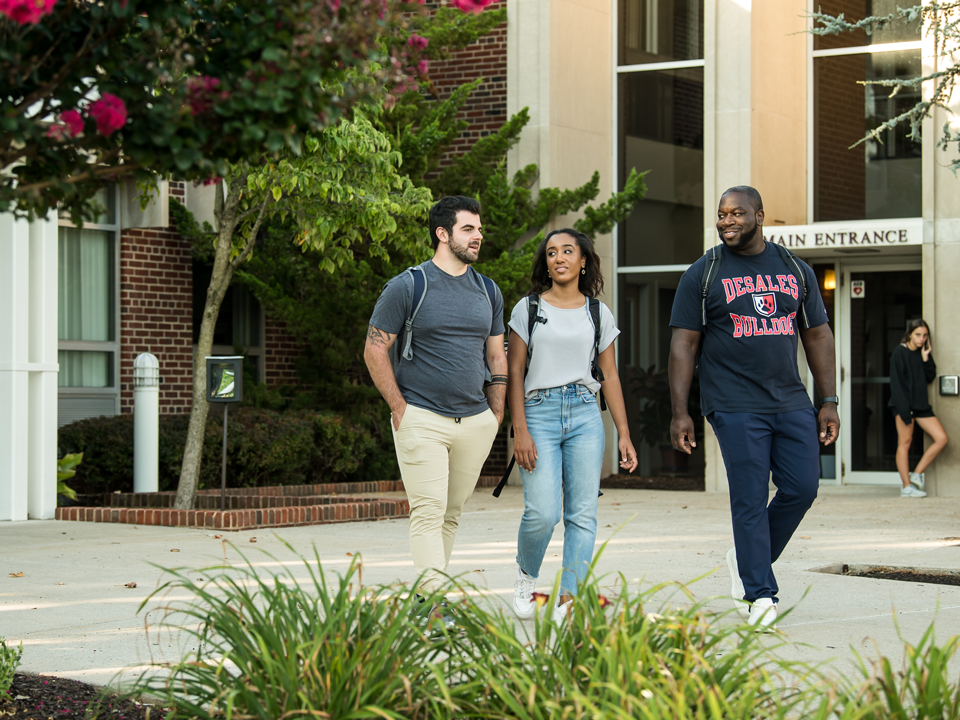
(765, 304)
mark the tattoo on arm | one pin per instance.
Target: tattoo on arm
(377, 337)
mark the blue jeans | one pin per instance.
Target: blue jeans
(565, 424)
(754, 445)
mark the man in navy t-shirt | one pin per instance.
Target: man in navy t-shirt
(751, 392)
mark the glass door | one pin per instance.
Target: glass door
(876, 303)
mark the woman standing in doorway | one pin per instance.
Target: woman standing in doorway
(911, 369)
(559, 434)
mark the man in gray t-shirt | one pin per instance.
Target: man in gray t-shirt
(444, 417)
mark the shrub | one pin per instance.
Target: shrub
(270, 647)
(9, 661)
(264, 447)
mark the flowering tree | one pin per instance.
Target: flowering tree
(101, 89)
(941, 22)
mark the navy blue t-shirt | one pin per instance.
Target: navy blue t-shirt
(749, 360)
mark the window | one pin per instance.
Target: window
(88, 348)
(660, 128)
(874, 179)
(239, 328)
(660, 119)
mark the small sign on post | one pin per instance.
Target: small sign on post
(224, 385)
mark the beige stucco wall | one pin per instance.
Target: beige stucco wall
(560, 67)
(778, 111)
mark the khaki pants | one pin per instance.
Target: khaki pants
(440, 462)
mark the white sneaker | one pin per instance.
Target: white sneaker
(763, 614)
(560, 612)
(911, 492)
(736, 584)
(523, 603)
(917, 479)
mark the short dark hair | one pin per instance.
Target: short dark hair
(443, 214)
(590, 282)
(749, 192)
(911, 326)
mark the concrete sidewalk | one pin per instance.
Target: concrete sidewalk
(75, 617)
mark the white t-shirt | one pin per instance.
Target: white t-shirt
(563, 346)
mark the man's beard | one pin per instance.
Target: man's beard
(745, 238)
(463, 253)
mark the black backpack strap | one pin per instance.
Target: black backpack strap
(595, 370)
(419, 293)
(790, 260)
(711, 269)
(503, 481)
(533, 317)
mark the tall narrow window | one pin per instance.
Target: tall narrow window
(87, 314)
(878, 178)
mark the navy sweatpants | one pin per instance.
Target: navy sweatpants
(753, 445)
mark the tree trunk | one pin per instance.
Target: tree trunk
(227, 220)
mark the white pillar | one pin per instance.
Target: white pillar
(14, 321)
(146, 423)
(42, 392)
(28, 368)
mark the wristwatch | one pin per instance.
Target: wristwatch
(833, 398)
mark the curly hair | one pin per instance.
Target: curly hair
(590, 281)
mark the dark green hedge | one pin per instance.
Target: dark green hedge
(264, 447)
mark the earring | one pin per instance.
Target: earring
(583, 271)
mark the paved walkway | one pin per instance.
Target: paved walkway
(77, 619)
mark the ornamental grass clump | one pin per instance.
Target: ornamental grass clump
(278, 647)
(271, 647)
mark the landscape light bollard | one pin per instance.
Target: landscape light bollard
(146, 423)
(224, 385)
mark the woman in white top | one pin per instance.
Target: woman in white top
(559, 436)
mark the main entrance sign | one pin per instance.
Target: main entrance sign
(852, 234)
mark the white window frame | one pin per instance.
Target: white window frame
(111, 346)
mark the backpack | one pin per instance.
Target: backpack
(533, 318)
(402, 349)
(711, 269)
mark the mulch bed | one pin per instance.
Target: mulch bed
(887, 573)
(656, 482)
(42, 697)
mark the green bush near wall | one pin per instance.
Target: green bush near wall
(264, 447)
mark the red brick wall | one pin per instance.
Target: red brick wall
(281, 350)
(156, 297)
(497, 459)
(486, 110)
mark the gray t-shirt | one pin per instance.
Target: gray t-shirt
(450, 332)
(563, 346)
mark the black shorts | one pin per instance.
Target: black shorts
(916, 413)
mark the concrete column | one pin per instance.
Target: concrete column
(727, 107)
(14, 395)
(42, 392)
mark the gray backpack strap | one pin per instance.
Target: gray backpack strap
(419, 293)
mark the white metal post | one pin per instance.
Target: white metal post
(146, 423)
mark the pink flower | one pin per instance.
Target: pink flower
(109, 113)
(422, 67)
(417, 42)
(200, 93)
(210, 181)
(334, 5)
(474, 6)
(73, 121)
(26, 11)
